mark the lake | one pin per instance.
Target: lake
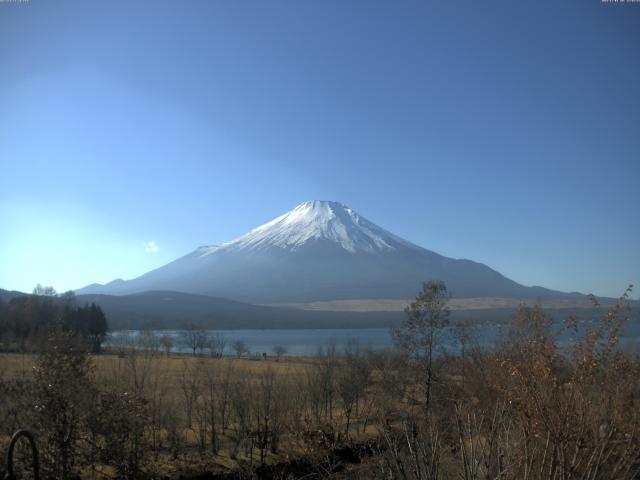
(303, 342)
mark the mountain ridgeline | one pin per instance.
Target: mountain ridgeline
(319, 251)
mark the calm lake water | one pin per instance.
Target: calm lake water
(307, 342)
(297, 341)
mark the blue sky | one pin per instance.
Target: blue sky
(505, 132)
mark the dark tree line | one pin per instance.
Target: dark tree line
(27, 321)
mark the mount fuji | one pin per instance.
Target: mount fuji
(319, 251)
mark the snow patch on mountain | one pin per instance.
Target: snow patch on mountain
(312, 221)
(206, 250)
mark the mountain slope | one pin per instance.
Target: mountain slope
(164, 309)
(171, 310)
(7, 295)
(319, 251)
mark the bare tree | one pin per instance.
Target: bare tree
(391, 385)
(240, 347)
(122, 342)
(464, 335)
(411, 453)
(166, 342)
(148, 340)
(120, 425)
(352, 380)
(418, 335)
(279, 350)
(214, 403)
(195, 337)
(41, 291)
(217, 344)
(190, 386)
(320, 384)
(224, 394)
(241, 395)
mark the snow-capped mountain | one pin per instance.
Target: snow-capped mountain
(320, 250)
(315, 221)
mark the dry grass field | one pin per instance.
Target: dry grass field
(528, 408)
(181, 393)
(168, 368)
(398, 305)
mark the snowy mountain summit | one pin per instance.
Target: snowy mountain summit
(318, 251)
(315, 221)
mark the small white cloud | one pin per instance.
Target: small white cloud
(151, 247)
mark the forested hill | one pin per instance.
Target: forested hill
(165, 309)
(172, 310)
(27, 321)
(7, 295)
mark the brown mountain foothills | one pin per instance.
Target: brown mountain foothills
(398, 305)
